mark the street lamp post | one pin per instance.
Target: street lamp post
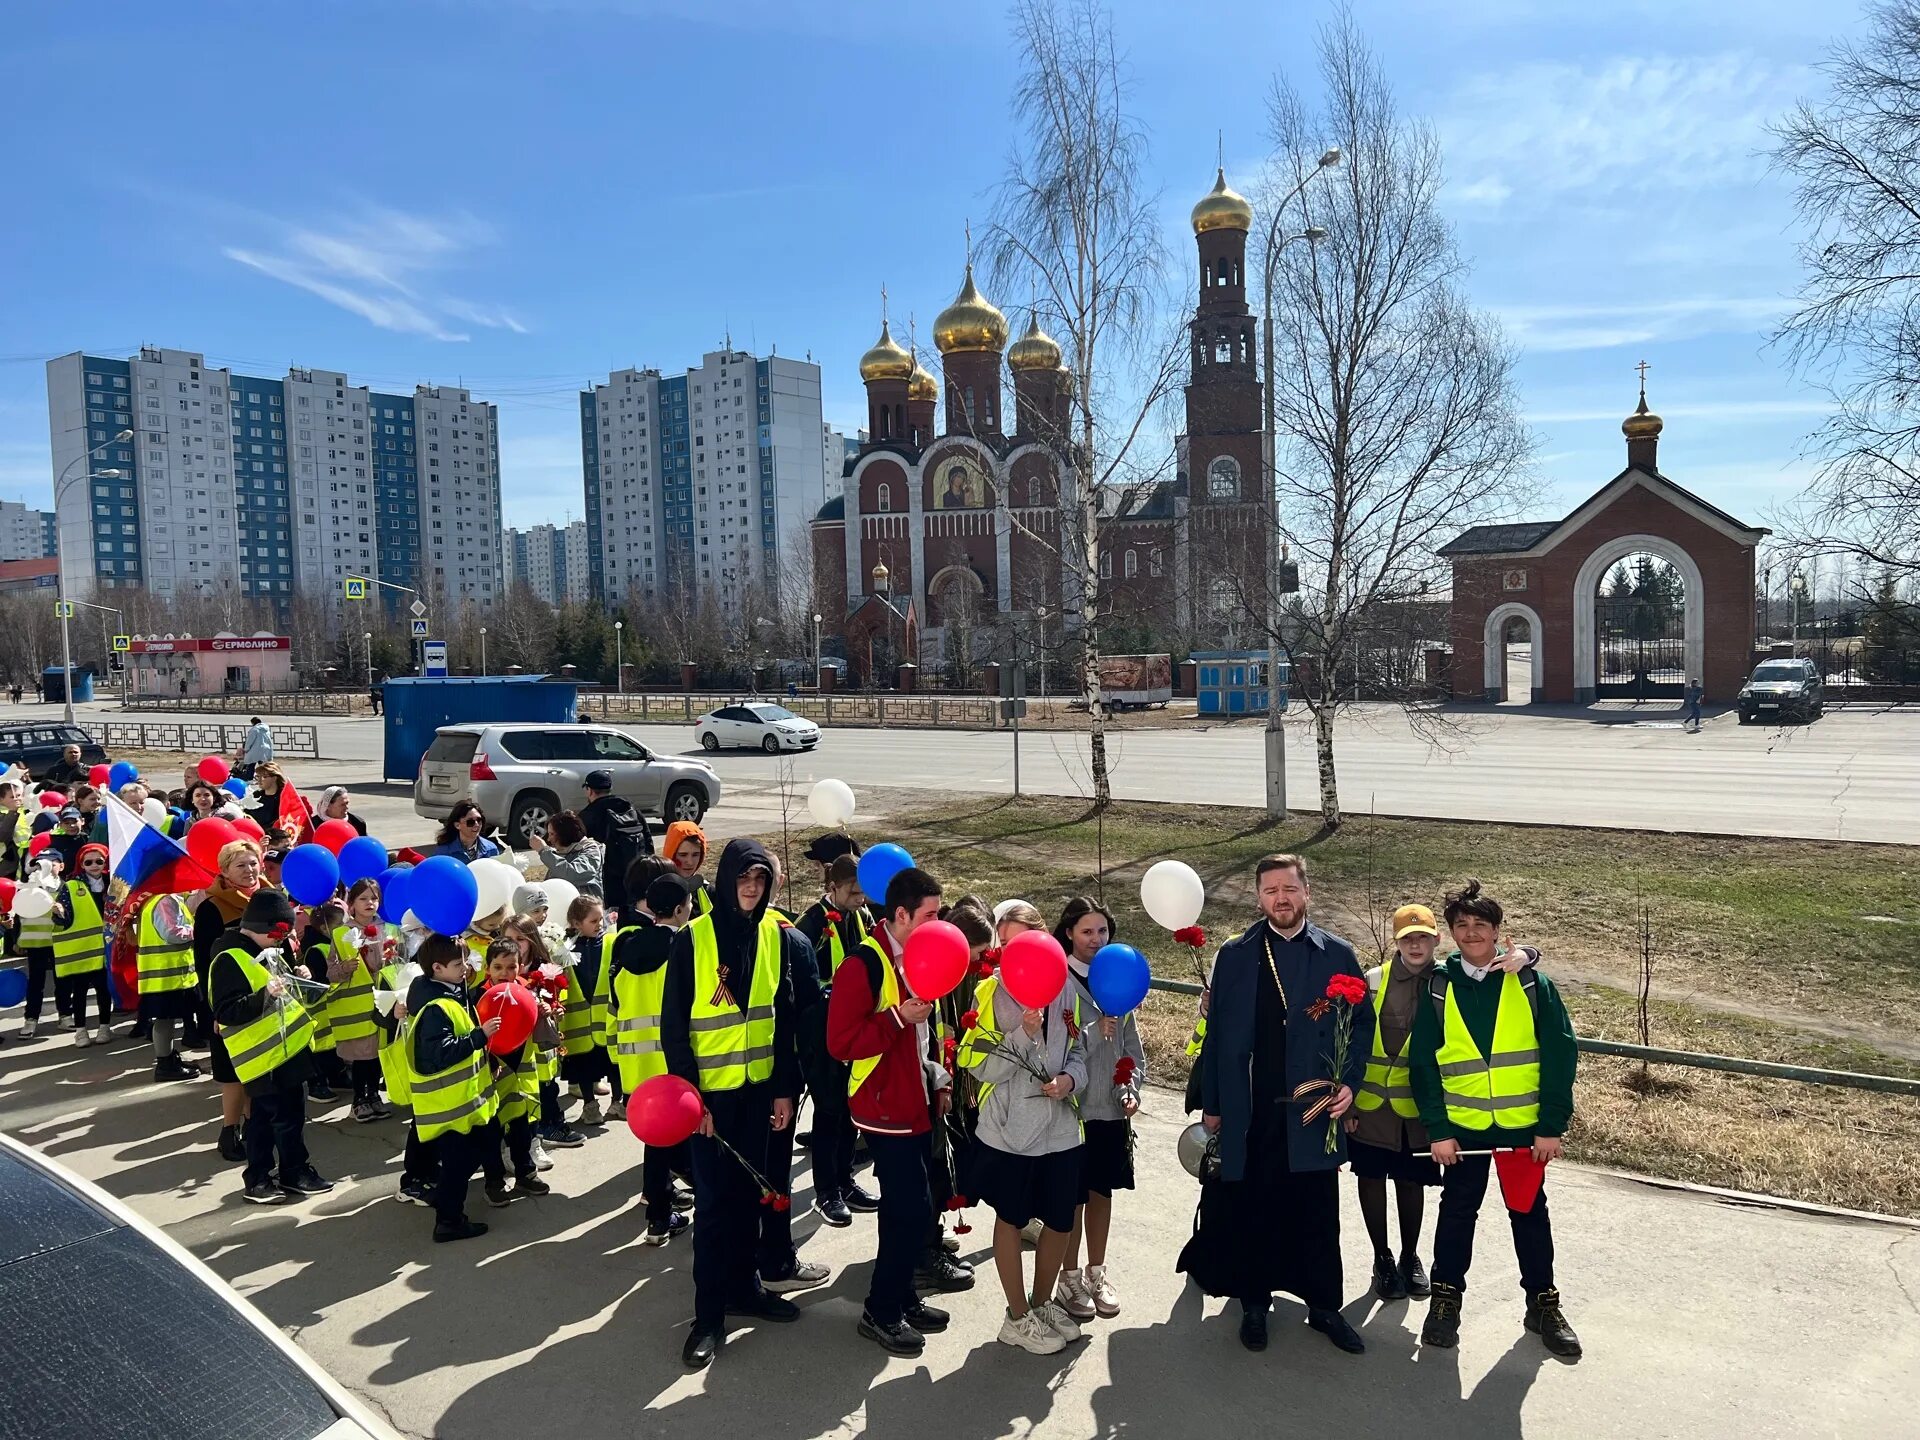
(1276, 736)
(368, 637)
(1040, 614)
(620, 656)
(483, 649)
(816, 651)
(1797, 588)
(60, 558)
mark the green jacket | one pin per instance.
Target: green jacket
(1478, 1002)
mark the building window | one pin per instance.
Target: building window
(885, 498)
(1130, 565)
(1156, 563)
(1106, 566)
(1223, 478)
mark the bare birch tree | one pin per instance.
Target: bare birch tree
(1396, 420)
(1076, 226)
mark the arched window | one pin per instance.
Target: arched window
(1223, 347)
(968, 404)
(1156, 562)
(1246, 344)
(886, 423)
(1206, 275)
(1236, 271)
(1223, 478)
(1220, 595)
(1222, 271)
(1106, 565)
(1130, 565)
(884, 497)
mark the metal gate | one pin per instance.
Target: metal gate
(1643, 649)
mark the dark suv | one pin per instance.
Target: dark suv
(1789, 688)
(36, 748)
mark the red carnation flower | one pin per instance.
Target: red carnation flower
(970, 1020)
(957, 1202)
(766, 1197)
(1190, 935)
(949, 1048)
(781, 1203)
(1123, 1070)
(835, 917)
(990, 956)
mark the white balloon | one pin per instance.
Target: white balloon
(32, 902)
(154, 812)
(496, 880)
(1172, 894)
(560, 894)
(831, 802)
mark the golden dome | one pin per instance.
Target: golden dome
(1643, 424)
(886, 360)
(1222, 208)
(1035, 350)
(921, 385)
(970, 323)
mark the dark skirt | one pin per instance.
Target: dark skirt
(1108, 1164)
(168, 1005)
(1376, 1162)
(1020, 1188)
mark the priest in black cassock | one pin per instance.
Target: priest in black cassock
(1270, 1219)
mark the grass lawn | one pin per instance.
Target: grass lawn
(1790, 950)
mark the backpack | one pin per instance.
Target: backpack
(628, 839)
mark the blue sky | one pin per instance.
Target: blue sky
(521, 196)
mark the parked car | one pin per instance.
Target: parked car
(526, 774)
(92, 1291)
(1789, 688)
(771, 728)
(36, 748)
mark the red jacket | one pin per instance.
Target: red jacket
(893, 1099)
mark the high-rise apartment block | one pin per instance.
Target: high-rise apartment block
(551, 560)
(26, 534)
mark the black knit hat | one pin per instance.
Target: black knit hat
(266, 911)
(830, 847)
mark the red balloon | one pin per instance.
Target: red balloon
(208, 837)
(664, 1111)
(1033, 967)
(51, 799)
(246, 828)
(7, 889)
(334, 834)
(213, 770)
(936, 959)
(39, 842)
(99, 775)
(517, 1009)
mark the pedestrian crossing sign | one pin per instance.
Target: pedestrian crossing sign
(419, 629)
(63, 609)
(356, 587)
(122, 644)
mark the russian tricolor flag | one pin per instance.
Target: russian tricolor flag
(151, 863)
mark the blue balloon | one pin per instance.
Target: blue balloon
(13, 987)
(878, 867)
(1118, 979)
(310, 874)
(235, 787)
(393, 893)
(443, 893)
(361, 859)
(123, 772)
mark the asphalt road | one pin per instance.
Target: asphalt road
(1854, 775)
(1701, 1318)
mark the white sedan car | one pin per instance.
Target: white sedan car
(772, 728)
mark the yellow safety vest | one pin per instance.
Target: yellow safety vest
(277, 1035)
(456, 1099)
(393, 1053)
(634, 1027)
(519, 1088)
(161, 964)
(350, 1003)
(888, 997)
(836, 947)
(732, 1044)
(1386, 1081)
(37, 931)
(82, 947)
(976, 1044)
(702, 901)
(585, 1016)
(1506, 1084)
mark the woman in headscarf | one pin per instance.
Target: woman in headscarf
(337, 804)
(686, 847)
(219, 911)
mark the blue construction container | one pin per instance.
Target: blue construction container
(1234, 682)
(417, 706)
(53, 688)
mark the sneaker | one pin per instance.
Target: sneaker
(899, 1338)
(676, 1225)
(945, 1274)
(81, 1038)
(927, 1319)
(1030, 1233)
(1547, 1320)
(682, 1196)
(465, 1230)
(805, 1275)
(1442, 1330)
(413, 1192)
(833, 1211)
(861, 1202)
(363, 1113)
(590, 1113)
(1106, 1300)
(950, 1242)
(617, 1110)
(1387, 1282)
(66, 1022)
(264, 1193)
(1413, 1276)
(230, 1147)
(497, 1194)
(307, 1182)
(1030, 1333)
(320, 1090)
(541, 1160)
(101, 1034)
(379, 1108)
(29, 1029)
(530, 1185)
(1057, 1320)
(1072, 1295)
(564, 1137)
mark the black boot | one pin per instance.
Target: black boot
(1546, 1319)
(231, 1149)
(1253, 1326)
(1387, 1283)
(1442, 1330)
(1413, 1277)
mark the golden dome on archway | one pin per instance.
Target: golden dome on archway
(971, 322)
(1222, 208)
(921, 385)
(1035, 350)
(887, 360)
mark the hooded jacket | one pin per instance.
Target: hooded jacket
(737, 936)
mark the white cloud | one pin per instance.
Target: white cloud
(1599, 327)
(378, 267)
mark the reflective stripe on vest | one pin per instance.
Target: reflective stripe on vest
(393, 1052)
(585, 1016)
(265, 1043)
(161, 964)
(732, 1045)
(350, 1003)
(37, 931)
(519, 1088)
(456, 1099)
(1504, 1084)
(636, 1026)
(888, 997)
(82, 946)
(1386, 1081)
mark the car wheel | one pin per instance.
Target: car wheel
(686, 802)
(1819, 709)
(531, 812)
(709, 742)
(1745, 718)
(771, 745)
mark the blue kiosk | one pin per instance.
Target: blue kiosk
(1234, 682)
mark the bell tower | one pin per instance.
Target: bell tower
(1223, 385)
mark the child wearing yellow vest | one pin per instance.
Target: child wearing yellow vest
(80, 944)
(516, 1080)
(583, 1013)
(452, 1088)
(633, 1033)
(356, 952)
